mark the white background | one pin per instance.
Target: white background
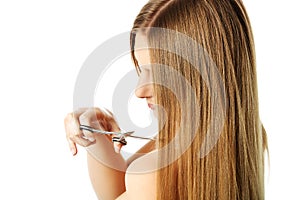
(42, 47)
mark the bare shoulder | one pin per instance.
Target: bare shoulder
(150, 146)
(140, 178)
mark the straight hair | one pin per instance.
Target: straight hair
(234, 167)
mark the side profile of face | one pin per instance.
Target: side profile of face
(144, 88)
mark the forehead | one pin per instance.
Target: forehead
(141, 51)
(142, 56)
(140, 41)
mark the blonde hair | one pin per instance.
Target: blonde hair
(234, 168)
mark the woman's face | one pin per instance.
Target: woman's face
(144, 89)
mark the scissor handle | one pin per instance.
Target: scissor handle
(119, 138)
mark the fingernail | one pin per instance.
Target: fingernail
(117, 149)
(91, 139)
(73, 151)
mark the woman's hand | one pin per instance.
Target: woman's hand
(94, 117)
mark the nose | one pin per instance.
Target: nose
(144, 88)
(144, 91)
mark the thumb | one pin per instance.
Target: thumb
(117, 147)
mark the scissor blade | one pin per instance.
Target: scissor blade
(93, 130)
(127, 134)
(133, 136)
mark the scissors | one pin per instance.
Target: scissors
(120, 136)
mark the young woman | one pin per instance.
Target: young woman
(200, 68)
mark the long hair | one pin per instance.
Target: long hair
(234, 167)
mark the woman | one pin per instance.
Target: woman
(211, 142)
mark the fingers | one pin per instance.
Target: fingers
(117, 147)
(94, 117)
(81, 141)
(82, 137)
(90, 118)
(88, 136)
(111, 120)
(118, 142)
(69, 131)
(114, 126)
(73, 133)
(72, 146)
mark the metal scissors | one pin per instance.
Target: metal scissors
(119, 136)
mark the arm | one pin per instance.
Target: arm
(106, 167)
(109, 183)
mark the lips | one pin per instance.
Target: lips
(151, 106)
